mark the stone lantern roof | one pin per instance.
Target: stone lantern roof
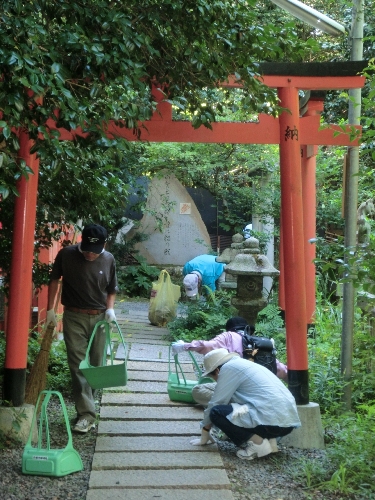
(251, 262)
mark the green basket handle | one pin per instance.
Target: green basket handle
(179, 368)
(106, 326)
(44, 423)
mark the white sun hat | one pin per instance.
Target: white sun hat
(191, 283)
(216, 358)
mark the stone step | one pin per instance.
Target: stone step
(148, 376)
(142, 336)
(143, 449)
(127, 398)
(164, 494)
(181, 478)
(145, 351)
(159, 376)
(136, 322)
(140, 339)
(133, 322)
(143, 387)
(150, 413)
(157, 366)
(160, 444)
(152, 460)
(136, 327)
(148, 428)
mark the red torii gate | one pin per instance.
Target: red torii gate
(297, 204)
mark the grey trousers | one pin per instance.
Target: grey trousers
(202, 393)
(77, 332)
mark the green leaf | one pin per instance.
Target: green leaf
(6, 132)
(55, 68)
(66, 93)
(28, 60)
(4, 192)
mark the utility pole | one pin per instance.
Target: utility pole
(350, 207)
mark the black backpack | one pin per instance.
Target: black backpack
(258, 349)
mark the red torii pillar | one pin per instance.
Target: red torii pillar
(308, 158)
(20, 290)
(293, 245)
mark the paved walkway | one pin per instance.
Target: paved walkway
(143, 450)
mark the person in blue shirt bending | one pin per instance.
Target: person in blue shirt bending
(202, 271)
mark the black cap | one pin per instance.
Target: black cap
(93, 238)
(236, 323)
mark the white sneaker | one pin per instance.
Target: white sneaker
(273, 443)
(83, 425)
(255, 450)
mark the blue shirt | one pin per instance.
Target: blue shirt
(267, 400)
(207, 266)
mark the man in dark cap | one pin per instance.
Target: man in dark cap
(89, 285)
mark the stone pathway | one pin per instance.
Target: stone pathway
(143, 450)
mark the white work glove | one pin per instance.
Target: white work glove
(110, 315)
(51, 318)
(205, 438)
(178, 347)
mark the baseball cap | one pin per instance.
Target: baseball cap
(93, 238)
(190, 283)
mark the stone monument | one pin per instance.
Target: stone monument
(172, 224)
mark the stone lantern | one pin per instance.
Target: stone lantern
(228, 256)
(250, 267)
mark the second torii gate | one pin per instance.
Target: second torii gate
(290, 131)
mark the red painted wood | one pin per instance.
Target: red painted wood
(20, 291)
(266, 131)
(304, 82)
(293, 233)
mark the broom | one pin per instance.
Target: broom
(37, 378)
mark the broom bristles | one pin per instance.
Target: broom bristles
(37, 378)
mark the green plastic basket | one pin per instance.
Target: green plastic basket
(44, 461)
(179, 387)
(110, 374)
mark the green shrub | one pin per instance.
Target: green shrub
(203, 319)
(58, 375)
(135, 280)
(348, 468)
(326, 381)
(270, 324)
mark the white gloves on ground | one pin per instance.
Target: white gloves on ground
(178, 347)
(51, 318)
(110, 315)
(205, 438)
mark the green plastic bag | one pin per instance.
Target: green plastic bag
(163, 300)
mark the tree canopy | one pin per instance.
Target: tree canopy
(85, 63)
